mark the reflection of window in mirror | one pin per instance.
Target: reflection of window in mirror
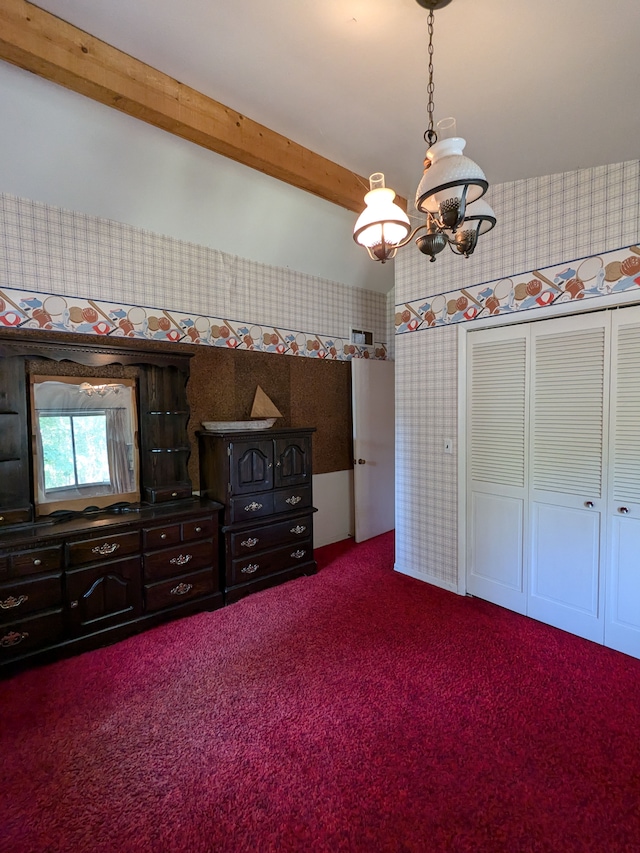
(85, 449)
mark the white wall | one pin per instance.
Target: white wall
(541, 222)
(333, 498)
(296, 262)
(61, 148)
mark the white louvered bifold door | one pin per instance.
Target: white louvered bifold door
(568, 463)
(622, 626)
(496, 474)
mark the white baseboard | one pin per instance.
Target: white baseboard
(450, 587)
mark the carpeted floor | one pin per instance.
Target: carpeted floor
(357, 710)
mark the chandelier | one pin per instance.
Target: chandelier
(449, 193)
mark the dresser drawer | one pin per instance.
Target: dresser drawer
(269, 562)
(178, 590)
(176, 561)
(158, 537)
(199, 528)
(105, 547)
(31, 633)
(296, 498)
(27, 596)
(14, 516)
(269, 536)
(250, 507)
(37, 561)
(175, 493)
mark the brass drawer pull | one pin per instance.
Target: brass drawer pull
(250, 542)
(299, 554)
(163, 535)
(107, 548)
(293, 500)
(198, 530)
(181, 560)
(37, 562)
(253, 507)
(298, 529)
(250, 569)
(182, 589)
(12, 601)
(12, 639)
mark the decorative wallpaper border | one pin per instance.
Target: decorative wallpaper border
(584, 278)
(34, 310)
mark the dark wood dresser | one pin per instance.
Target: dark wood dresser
(74, 585)
(263, 478)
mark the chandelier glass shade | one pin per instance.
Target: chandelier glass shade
(382, 225)
(450, 182)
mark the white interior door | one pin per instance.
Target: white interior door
(497, 433)
(570, 379)
(622, 619)
(373, 390)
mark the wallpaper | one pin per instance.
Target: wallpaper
(536, 290)
(66, 271)
(542, 222)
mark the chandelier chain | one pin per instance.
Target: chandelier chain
(430, 135)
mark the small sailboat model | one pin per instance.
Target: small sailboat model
(263, 411)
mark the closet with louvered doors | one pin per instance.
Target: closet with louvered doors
(553, 502)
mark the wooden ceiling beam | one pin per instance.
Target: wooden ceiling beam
(50, 47)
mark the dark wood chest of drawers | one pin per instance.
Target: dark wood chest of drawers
(89, 581)
(264, 481)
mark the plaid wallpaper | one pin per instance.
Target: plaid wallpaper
(98, 265)
(541, 222)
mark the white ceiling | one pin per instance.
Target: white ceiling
(537, 86)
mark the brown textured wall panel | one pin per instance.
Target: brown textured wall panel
(308, 392)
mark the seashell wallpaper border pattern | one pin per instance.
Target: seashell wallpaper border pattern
(585, 278)
(32, 310)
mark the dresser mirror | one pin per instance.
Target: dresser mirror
(84, 440)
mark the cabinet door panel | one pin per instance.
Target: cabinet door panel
(293, 461)
(251, 466)
(104, 595)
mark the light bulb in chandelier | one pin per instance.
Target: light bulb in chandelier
(383, 225)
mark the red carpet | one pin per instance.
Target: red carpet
(357, 710)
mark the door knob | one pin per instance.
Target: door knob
(588, 504)
(361, 461)
(623, 509)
